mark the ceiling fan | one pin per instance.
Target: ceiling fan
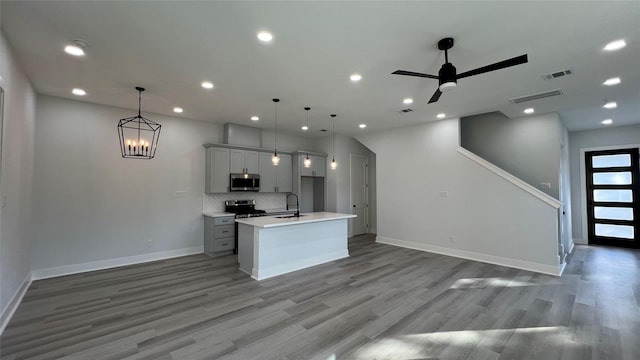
(447, 77)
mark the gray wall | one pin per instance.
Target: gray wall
(92, 205)
(16, 178)
(609, 137)
(527, 147)
(339, 180)
(481, 215)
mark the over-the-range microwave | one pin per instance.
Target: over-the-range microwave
(244, 182)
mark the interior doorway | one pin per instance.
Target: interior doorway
(612, 193)
(359, 194)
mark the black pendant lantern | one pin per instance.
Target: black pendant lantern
(138, 135)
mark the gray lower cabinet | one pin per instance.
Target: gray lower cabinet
(219, 235)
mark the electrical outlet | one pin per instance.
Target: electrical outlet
(149, 242)
(443, 194)
(452, 238)
(180, 194)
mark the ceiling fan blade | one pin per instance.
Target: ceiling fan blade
(436, 96)
(497, 66)
(411, 73)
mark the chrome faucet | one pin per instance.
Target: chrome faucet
(297, 204)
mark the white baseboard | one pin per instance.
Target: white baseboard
(491, 259)
(261, 274)
(111, 263)
(571, 247)
(12, 305)
(580, 241)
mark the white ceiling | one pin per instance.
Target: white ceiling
(171, 47)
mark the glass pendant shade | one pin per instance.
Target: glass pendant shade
(334, 164)
(307, 161)
(275, 159)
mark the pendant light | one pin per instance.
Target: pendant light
(307, 161)
(275, 159)
(138, 135)
(334, 164)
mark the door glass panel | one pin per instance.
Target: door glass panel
(618, 231)
(612, 178)
(613, 213)
(611, 160)
(613, 195)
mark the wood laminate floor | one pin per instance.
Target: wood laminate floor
(383, 302)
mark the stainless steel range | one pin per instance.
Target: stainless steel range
(243, 209)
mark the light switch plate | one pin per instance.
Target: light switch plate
(181, 194)
(444, 194)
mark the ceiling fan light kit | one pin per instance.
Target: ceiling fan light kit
(448, 77)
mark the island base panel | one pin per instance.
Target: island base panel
(280, 250)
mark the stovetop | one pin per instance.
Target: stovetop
(243, 208)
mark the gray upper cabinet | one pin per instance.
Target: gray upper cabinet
(223, 159)
(268, 181)
(244, 161)
(275, 178)
(285, 173)
(318, 166)
(217, 170)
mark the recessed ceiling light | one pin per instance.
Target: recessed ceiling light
(207, 84)
(441, 116)
(606, 122)
(362, 126)
(74, 50)
(78, 92)
(615, 45)
(408, 101)
(610, 105)
(529, 111)
(77, 49)
(265, 36)
(305, 128)
(355, 77)
(255, 118)
(177, 110)
(612, 81)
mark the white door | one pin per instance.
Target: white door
(359, 192)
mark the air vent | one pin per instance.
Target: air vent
(405, 111)
(557, 74)
(537, 96)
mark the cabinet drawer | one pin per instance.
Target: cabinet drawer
(221, 231)
(224, 220)
(224, 244)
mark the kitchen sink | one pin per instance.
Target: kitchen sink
(288, 216)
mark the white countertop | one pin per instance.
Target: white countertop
(273, 221)
(217, 214)
(221, 214)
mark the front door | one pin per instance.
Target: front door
(613, 203)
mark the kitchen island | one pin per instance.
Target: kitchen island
(274, 245)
